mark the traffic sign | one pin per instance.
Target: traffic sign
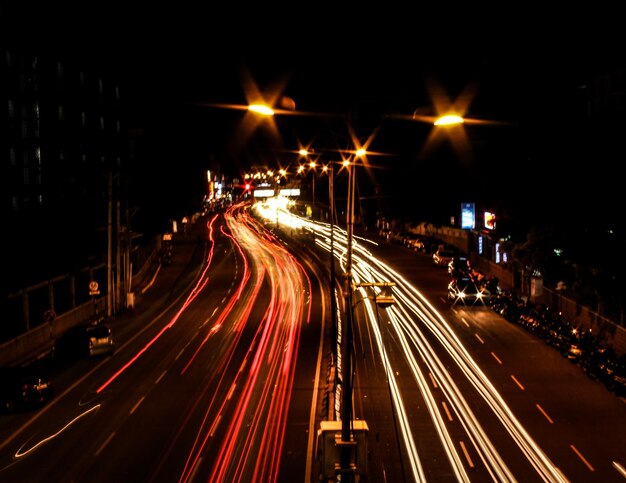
(93, 288)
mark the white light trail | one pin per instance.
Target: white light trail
(409, 317)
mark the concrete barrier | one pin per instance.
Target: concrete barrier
(40, 340)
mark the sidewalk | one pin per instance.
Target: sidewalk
(159, 289)
(165, 280)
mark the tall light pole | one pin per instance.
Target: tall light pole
(347, 443)
(312, 165)
(331, 207)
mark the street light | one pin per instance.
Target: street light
(449, 120)
(347, 444)
(261, 109)
(312, 166)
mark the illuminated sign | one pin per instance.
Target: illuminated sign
(490, 220)
(290, 192)
(263, 193)
(468, 216)
(268, 193)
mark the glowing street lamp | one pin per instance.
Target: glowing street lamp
(449, 120)
(262, 109)
(382, 300)
(346, 364)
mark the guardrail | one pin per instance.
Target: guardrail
(40, 340)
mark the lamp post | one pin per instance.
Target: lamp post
(347, 443)
(312, 165)
(331, 207)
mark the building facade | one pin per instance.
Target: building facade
(61, 154)
(63, 148)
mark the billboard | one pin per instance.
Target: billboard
(468, 216)
(490, 220)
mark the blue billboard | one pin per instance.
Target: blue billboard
(468, 216)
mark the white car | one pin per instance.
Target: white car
(443, 257)
(85, 341)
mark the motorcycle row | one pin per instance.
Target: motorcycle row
(597, 360)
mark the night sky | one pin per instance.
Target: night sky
(521, 73)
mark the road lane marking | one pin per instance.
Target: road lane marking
(517, 382)
(432, 378)
(192, 476)
(160, 377)
(581, 457)
(104, 444)
(465, 322)
(137, 405)
(445, 408)
(496, 358)
(214, 427)
(478, 337)
(544, 413)
(467, 456)
(230, 393)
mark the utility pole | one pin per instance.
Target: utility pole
(333, 302)
(110, 288)
(348, 444)
(118, 256)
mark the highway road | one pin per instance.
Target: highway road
(460, 393)
(225, 378)
(217, 386)
(486, 392)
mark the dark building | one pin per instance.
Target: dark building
(61, 153)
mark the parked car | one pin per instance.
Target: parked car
(417, 244)
(443, 257)
(23, 388)
(467, 292)
(459, 266)
(85, 341)
(412, 241)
